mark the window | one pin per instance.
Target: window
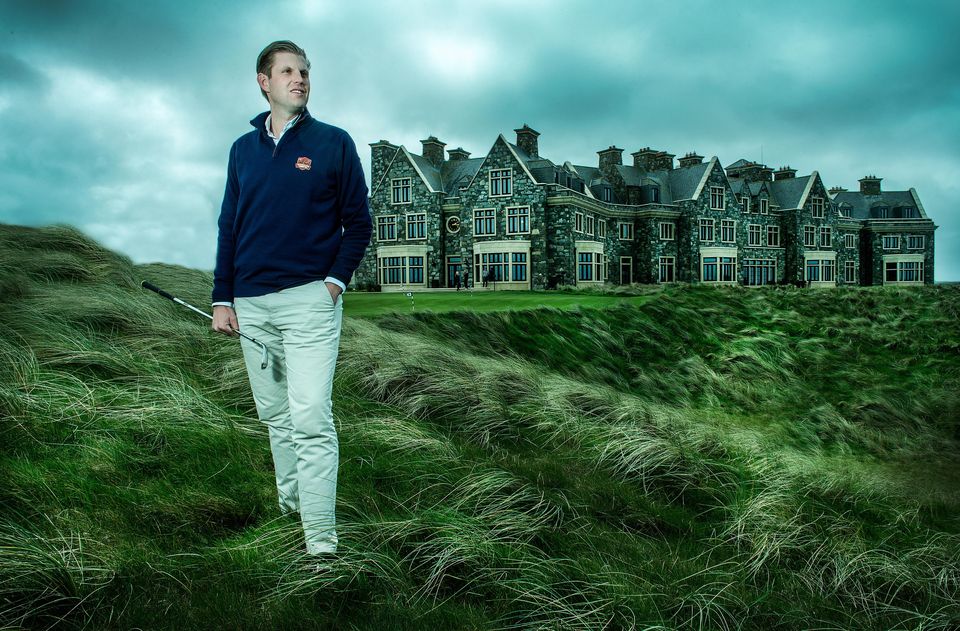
(850, 240)
(745, 201)
(393, 270)
(401, 270)
(717, 201)
(387, 228)
(754, 232)
(903, 271)
(826, 237)
(585, 266)
(773, 236)
(484, 222)
(519, 268)
(816, 207)
(891, 242)
(719, 268)
(606, 194)
(667, 267)
(416, 269)
(764, 206)
(820, 270)
(850, 272)
(590, 224)
(510, 266)
(401, 190)
(601, 228)
(578, 222)
(518, 219)
(590, 266)
(759, 271)
(417, 226)
(625, 230)
(706, 230)
(492, 266)
(710, 269)
(809, 236)
(727, 232)
(667, 231)
(728, 266)
(915, 242)
(501, 182)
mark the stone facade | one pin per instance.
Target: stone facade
(521, 221)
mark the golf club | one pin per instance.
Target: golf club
(169, 296)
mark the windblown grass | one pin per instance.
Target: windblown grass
(693, 459)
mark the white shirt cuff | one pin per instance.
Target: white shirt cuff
(222, 304)
(331, 279)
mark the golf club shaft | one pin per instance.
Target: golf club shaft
(170, 296)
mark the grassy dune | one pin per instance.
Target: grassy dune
(693, 458)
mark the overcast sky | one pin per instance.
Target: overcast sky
(117, 117)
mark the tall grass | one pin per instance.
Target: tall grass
(705, 459)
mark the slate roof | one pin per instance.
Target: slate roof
(789, 191)
(459, 173)
(430, 172)
(684, 180)
(739, 163)
(755, 188)
(736, 185)
(861, 204)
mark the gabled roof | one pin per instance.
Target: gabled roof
(688, 182)
(861, 204)
(736, 185)
(792, 192)
(429, 173)
(756, 187)
(457, 173)
(739, 163)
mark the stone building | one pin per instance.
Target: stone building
(514, 219)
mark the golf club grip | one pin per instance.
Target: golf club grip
(156, 289)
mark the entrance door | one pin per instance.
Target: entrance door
(454, 265)
(626, 270)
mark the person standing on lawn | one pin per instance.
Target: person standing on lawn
(293, 228)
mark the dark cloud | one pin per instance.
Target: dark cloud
(133, 106)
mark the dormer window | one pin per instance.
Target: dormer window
(607, 193)
(655, 194)
(881, 212)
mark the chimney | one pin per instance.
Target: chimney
(664, 161)
(527, 140)
(610, 156)
(645, 159)
(752, 172)
(835, 190)
(381, 153)
(870, 185)
(690, 159)
(784, 173)
(458, 155)
(433, 151)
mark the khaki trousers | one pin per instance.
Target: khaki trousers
(301, 329)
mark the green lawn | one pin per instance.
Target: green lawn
(357, 303)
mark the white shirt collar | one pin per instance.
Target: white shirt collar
(290, 123)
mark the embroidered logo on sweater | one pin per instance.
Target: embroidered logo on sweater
(304, 163)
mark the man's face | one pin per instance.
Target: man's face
(288, 86)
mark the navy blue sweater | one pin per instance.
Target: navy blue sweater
(292, 213)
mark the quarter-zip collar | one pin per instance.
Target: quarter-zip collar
(260, 123)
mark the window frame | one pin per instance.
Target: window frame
(505, 182)
(773, 230)
(422, 223)
(731, 225)
(519, 219)
(382, 224)
(668, 231)
(754, 229)
(709, 224)
(625, 224)
(399, 188)
(489, 214)
(717, 192)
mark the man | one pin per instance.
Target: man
(293, 228)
